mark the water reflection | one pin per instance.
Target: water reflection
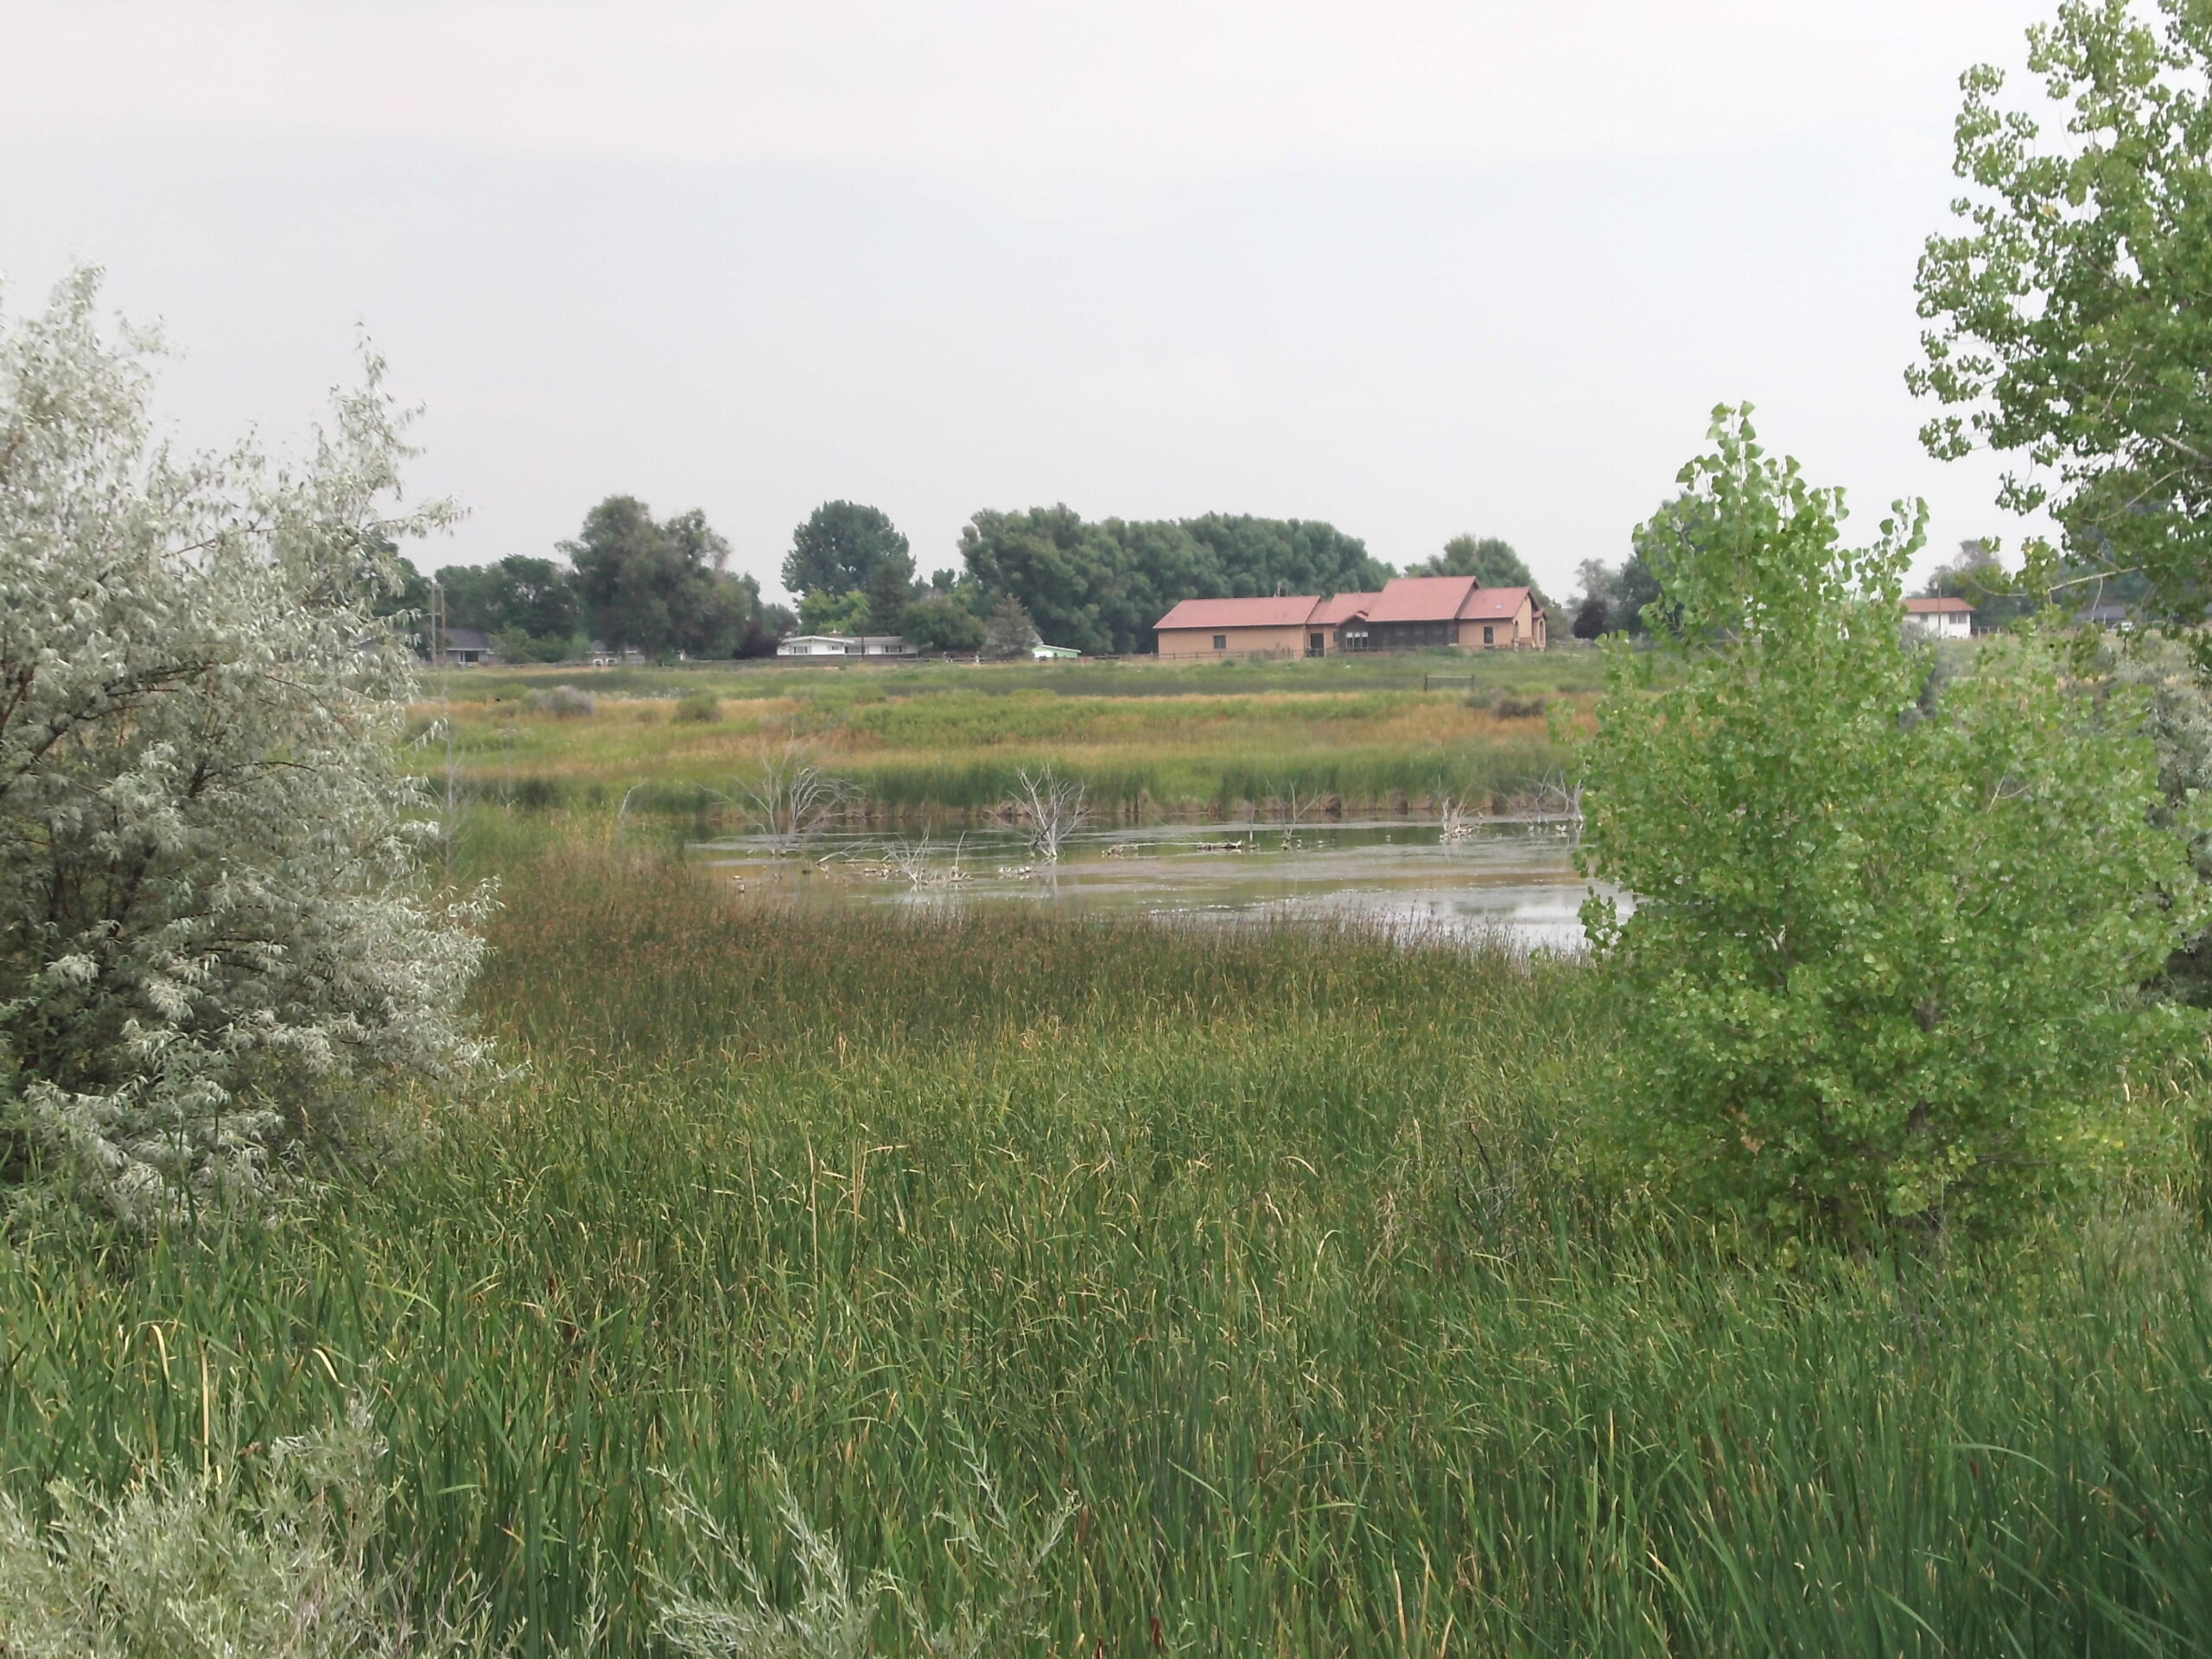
(1512, 880)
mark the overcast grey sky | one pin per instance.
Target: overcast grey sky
(1414, 267)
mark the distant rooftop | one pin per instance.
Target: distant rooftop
(1404, 598)
(1289, 612)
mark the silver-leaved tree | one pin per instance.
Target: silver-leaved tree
(213, 939)
(1884, 964)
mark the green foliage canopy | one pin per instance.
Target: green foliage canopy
(1888, 965)
(1489, 558)
(1612, 597)
(1099, 587)
(2068, 313)
(890, 591)
(822, 611)
(1008, 633)
(661, 587)
(530, 603)
(841, 546)
(940, 623)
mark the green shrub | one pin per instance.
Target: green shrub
(1886, 959)
(699, 708)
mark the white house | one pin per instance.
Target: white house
(1940, 618)
(843, 644)
(1043, 653)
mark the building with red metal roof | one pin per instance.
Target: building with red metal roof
(1410, 613)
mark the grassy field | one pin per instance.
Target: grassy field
(1273, 1250)
(946, 740)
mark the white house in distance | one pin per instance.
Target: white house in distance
(826, 645)
(1940, 618)
(1043, 653)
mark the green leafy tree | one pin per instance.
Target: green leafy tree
(840, 547)
(1064, 575)
(661, 587)
(1976, 576)
(1100, 587)
(770, 622)
(1998, 596)
(824, 611)
(530, 603)
(1885, 967)
(1008, 630)
(1489, 560)
(940, 623)
(1254, 556)
(2068, 317)
(890, 591)
(1613, 598)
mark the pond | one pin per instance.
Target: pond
(1510, 879)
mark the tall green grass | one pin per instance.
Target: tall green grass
(1273, 1247)
(1563, 668)
(945, 748)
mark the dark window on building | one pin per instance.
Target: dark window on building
(1220, 642)
(1489, 636)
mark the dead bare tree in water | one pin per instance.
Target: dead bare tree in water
(1555, 803)
(792, 798)
(1296, 804)
(1051, 807)
(1460, 818)
(914, 861)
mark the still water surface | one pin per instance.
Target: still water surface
(1510, 879)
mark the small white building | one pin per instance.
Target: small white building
(1940, 618)
(843, 644)
(1043, 653)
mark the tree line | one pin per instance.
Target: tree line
(627, 580)
(1093, 585)
(631, 581)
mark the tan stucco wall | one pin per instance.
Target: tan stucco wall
(1519, 629)
(1198, 642)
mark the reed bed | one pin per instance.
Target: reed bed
(1273, 1248)
(1562, 669)
(950, 751)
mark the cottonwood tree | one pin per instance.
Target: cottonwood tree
(1099, 587)
(941, 623)
(841, 546)
(1489, 559)
(1884, 963)
(212, 934)
(2068, 313)
(1612, 600)
(661, 586)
